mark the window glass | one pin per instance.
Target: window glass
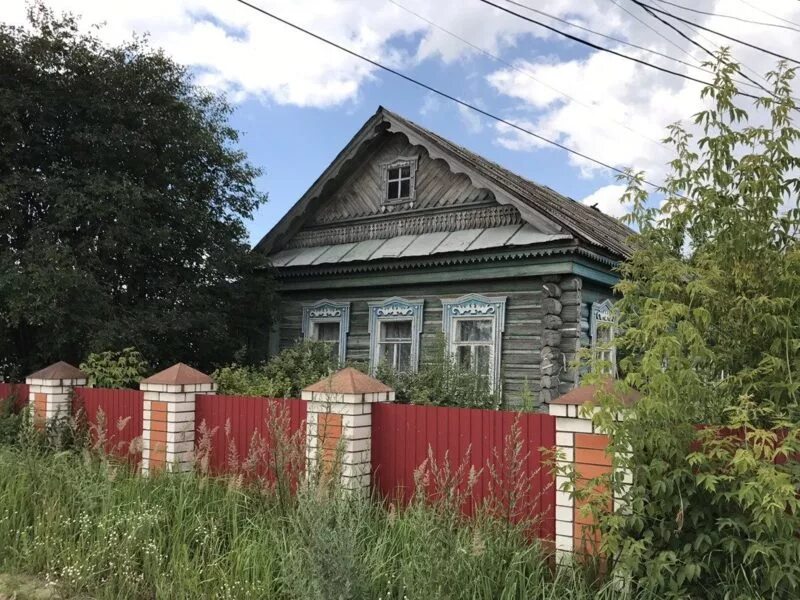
(475, 331)
(394, 348)
(394, 330)
(398, 182)
(329, 332)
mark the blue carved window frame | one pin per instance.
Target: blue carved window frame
(395, 309)
(328, 311)
(602, 316)
(477, 307)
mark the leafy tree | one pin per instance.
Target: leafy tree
(710, 332)
(122, 201)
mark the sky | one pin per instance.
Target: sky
(297, 101)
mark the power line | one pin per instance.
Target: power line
(523, 72)
(654, 30)
(683, 62)
(608, 37)
(604, 49)
(727, 37)
(439, 92)
(769, 14)
(702, 36)
(699, 45)
(740, 19)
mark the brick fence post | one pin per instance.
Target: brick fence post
(168, 423)
(340, 413)
(50, 390)
(583, 448)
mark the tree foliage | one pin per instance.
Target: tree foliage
(710, 334)
(122, 206)
(109, 369)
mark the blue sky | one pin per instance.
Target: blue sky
(294, 145)
(298, 101)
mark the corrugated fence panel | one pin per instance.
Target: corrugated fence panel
(122, 411)
(403, 437)
(19, 391)
(231, 422)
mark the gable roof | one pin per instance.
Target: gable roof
(542, 207)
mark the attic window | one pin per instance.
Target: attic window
(399, 180)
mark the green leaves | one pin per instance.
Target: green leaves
(123, 369)
(122, 207)
(710, 324)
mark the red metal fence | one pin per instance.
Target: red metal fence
(123, 412)
(235, 419)
(402, 435)
(19, 391)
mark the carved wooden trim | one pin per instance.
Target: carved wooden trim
(328, 311)
(395, 309)
(474, 218)
(476, 306)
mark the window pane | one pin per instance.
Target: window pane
(482, 359)
(328, 332)
(403, 357)
(386, 354)
(393, 190)
(405, 188)
(394, 173)
(396, 330)
(475, 331)
(464, 357)
(405, 171)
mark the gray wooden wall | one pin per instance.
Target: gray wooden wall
(522, 339)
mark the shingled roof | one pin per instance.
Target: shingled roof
(584, 223)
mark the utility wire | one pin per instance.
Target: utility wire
(740, 19)
(439, 92)
(654, 30)
(683, 62)
(603, 35)
(727, 37)
(769, 14)
(527, 74)
(604, 49)
(699, 45)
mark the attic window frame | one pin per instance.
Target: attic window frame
(399, 163)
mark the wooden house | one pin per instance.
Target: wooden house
(407, 236)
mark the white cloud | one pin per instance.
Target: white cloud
(607, 200)
(598, 104)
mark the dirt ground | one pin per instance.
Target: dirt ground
(22, 587)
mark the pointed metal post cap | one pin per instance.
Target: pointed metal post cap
(179, 374)
(349, 381)
(58, 370)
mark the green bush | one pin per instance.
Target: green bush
(284, 375)
(710, 334)
(440, 382)
(122, 369)
(11, 420)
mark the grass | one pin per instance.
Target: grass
(98, 530)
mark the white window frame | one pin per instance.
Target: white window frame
(395, 309)
(476, 307)
(405, 161)
(602, 315)
(327, 311)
